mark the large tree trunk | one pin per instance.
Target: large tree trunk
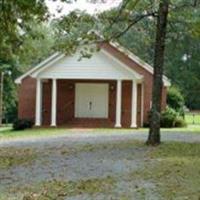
(154, 131)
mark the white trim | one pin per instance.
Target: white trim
(46, 61)
(134, 105)
(35, 74)
(54, 102)
(38, 107)
(118, 104)
(92, 78)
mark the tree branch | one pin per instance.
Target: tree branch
(121, 10)
(133, 22)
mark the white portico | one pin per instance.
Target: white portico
(101, 66)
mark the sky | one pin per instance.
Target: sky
(65, 8)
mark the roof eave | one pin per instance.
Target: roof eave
(33, 69)
(139, 61)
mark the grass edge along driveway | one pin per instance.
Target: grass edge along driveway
(8, 133)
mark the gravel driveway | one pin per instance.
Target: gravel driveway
(83, 156)
(81, 136)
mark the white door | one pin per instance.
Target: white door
(91, 100)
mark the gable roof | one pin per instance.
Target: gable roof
(58, 56)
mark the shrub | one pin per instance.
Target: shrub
(146, 125)
(175, 100)
(180, 122)
(21, 124)
(168, 118)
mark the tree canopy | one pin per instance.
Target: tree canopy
(16, 20)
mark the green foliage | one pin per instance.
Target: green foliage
(22, 124)
(72, 31)
(168, 118)
(16, 24)
(182, 43)
(182, 64)
(180, 122)
(37, 45)
(175, 99)
(30, 52)
(15, 17)
(171, 118)
(9, 100)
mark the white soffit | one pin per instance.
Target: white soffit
(99, 66)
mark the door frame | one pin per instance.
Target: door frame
(76, 114)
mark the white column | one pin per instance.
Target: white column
(118, 104)
(53, 102)
(38, 104)
(142, 104)
(134, 105)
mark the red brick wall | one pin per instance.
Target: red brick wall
(26, 93)
(139, 105)
(66, 101)
(126, 103)
(46, 102)
(112, 101)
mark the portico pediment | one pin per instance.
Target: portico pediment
(99, 66)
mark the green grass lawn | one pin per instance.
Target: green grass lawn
(192, 118)
(175, 170)
(190, 128)
(7, 132)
